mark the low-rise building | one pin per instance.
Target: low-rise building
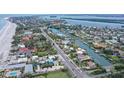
(21, 45)
(21, 60)
(91, 64)
(99, 45)
(28, 68)
(25, 52)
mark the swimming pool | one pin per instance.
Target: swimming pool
(13, 74)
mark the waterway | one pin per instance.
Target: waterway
(102, 61)
(91, 23)
(94, 24)
(95, 56)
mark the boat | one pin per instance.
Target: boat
(96, 51)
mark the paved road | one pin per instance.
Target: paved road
(77, 72)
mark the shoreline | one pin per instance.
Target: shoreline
(4, 27)
(6, 34)
(6, 24)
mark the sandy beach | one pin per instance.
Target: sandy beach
(6, 34)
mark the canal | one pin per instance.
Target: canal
(102, 61)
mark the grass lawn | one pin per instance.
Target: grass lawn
(55, 74)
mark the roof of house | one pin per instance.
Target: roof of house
(21, 45)
(86, 57)
(23, 49)
(90, 63)
(79, 52)
(25, 52)
(28, 68)
(80, 49)
(28, 33)
(26, 38)
(22, 60)
(13, 66)
(50, 60)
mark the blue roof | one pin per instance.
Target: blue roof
(13, 66)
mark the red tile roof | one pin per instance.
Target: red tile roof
(23, 49)
(26, 38)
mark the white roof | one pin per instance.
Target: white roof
(79, 52)
(71, 48)
(22, 60)
(21, 45)
(34, 57)
(50, 57)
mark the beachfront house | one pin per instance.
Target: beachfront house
(21, 46)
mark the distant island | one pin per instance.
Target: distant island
(99, 20)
